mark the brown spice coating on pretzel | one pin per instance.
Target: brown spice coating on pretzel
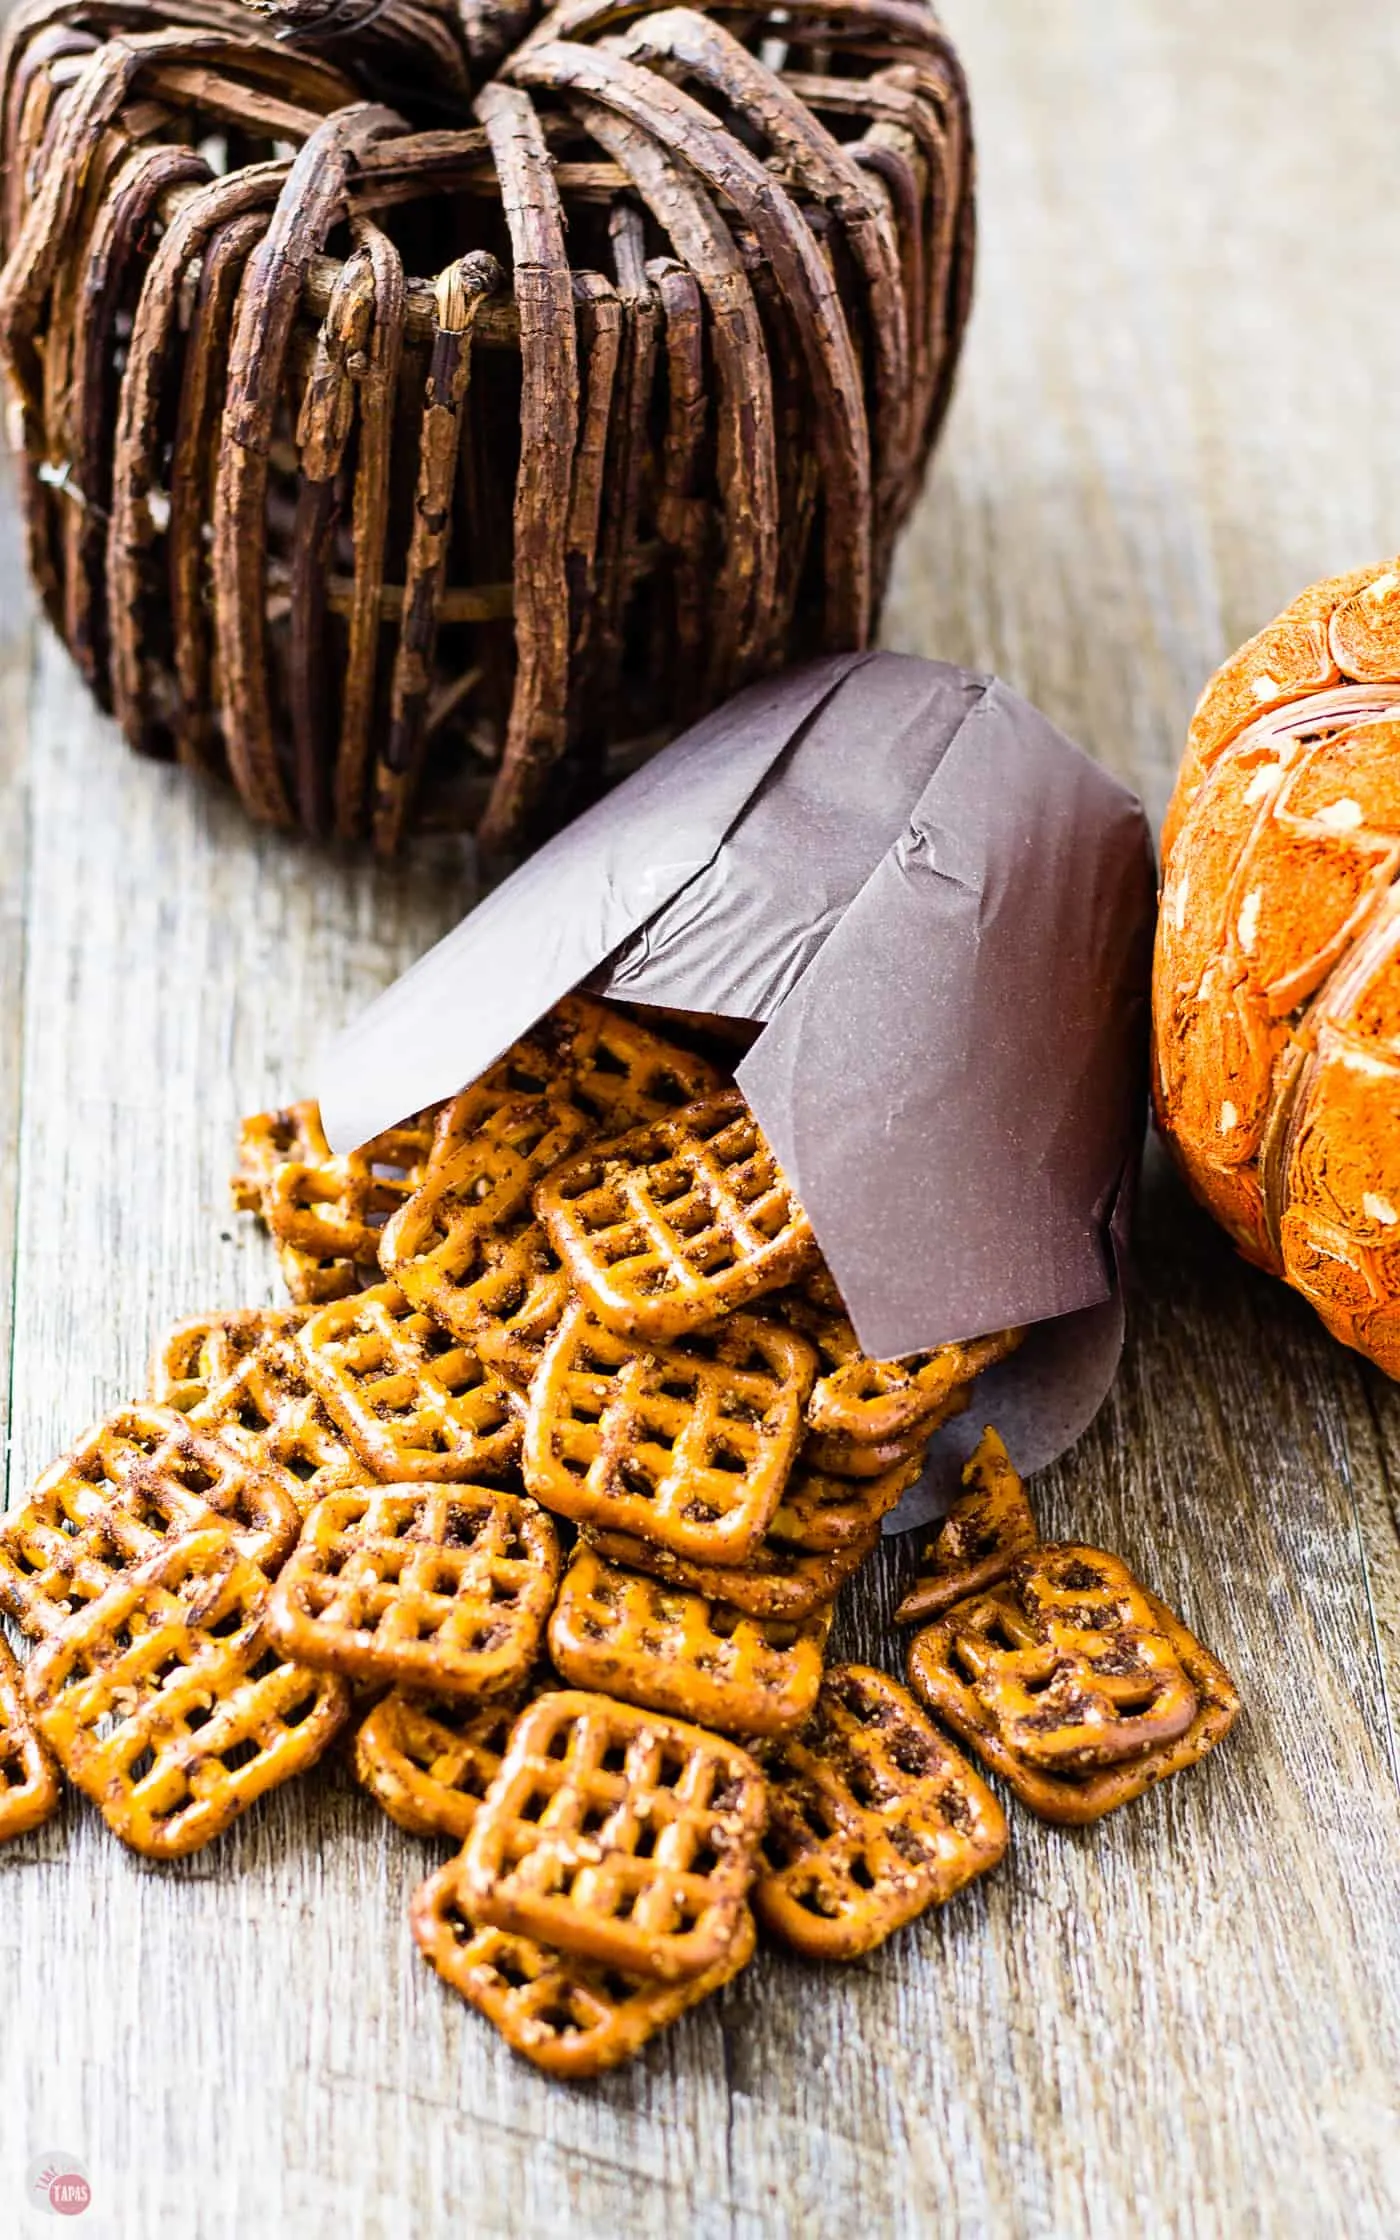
(570, 2017)
(987, 1529)
(441, 1588)
(677, 1223)
(969, 1666)
(673, 1650)
(873, 1817)
(413, 1402)
(429, 1761)
(820, 1513)
(29, 1785)
(165, 1702)
(446, 1247)
(688, 1444)
(618, 1835)
(774, 1582)
(201, 1351)
(268, 1410)
(137, 1479)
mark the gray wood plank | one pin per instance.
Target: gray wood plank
(1186, 2022)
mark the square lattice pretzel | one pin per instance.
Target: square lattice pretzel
(121, 1490)
(873, 1817)
(678, 1222)
(414, 1401)
(429, 1762)
(689, 1445)
(166, 1704)
(583, 1053)
(618, 1835)
(444, 1588)
(570, 2017)
(29, 1790)
(621, 1635)
(1071, 1680)
(270, 1412)
(205, 1349)
(446, 1248)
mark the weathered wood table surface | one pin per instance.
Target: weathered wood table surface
(1178, 406)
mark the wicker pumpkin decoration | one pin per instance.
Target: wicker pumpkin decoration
(425, 411)
(1277, 979)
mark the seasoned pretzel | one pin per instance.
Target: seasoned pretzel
(443, 1247)
(820, 1514)
(130, 1483)
(875, 1401)
(571, 2017)
(585, 1054)
(413, 1401)
(971, 1666)
(774, 1582)
(429, 1761)
(265, 1140)
(618, 1835)
(837, 1453)
(689, 1445)
(165, 1702)
(268, 1410)
(444, 1588)
(873, 1817)
(330, 1207)
(203, 1350)
(621, 1635)
(987, 1529)
(29, 1790)
(678, 1222)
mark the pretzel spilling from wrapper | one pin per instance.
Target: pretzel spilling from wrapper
(600, 1314)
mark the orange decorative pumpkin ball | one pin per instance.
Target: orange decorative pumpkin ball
(1276, 985)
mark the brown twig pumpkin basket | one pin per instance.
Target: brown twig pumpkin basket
(425, 412)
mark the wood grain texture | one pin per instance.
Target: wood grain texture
(1174, 413)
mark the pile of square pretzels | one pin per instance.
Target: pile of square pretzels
(580, 1291)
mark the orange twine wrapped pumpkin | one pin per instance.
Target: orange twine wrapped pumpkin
(1276, 994)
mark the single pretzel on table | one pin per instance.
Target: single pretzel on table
(621, 1836)
(570, 2017)
(1074, 1683)
(269, 1411)
(687, 1444)
(445, 1588)
(29, 1788)
(138, 1478)
(987, 1529)
(167, 1704)
(624, 1635)
(678, 1222)
(413, 1401)
(873, 1817)
(429, 1760)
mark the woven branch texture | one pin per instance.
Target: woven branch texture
(427, 410)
